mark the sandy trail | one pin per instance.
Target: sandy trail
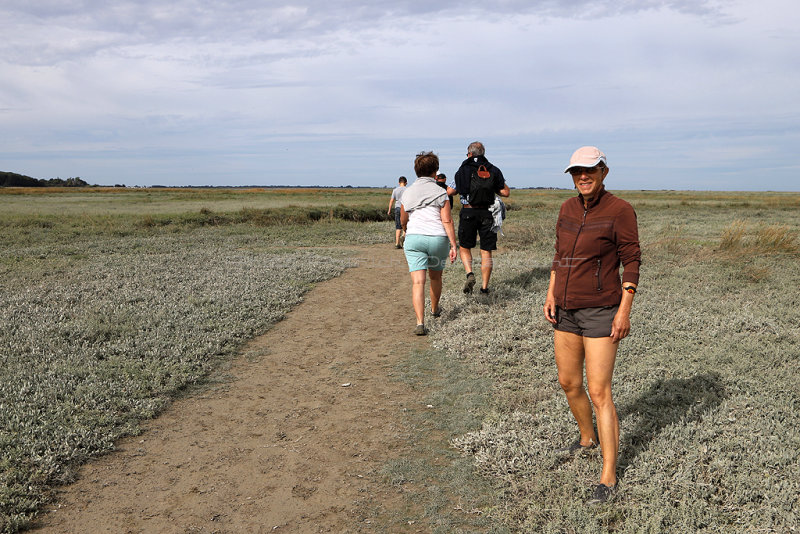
(285, 446)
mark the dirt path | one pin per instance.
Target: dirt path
(292, 444)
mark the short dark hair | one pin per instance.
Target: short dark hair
(441, 176)
(402, 179)
(426, 164)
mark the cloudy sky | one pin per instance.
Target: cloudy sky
(681, 94)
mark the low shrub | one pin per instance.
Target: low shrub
(740, 237)
(776, 238)
(733, 236)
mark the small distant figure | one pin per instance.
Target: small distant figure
(441, 179)
(397, 195)
(426, 218)
(477, 182)
(590, 307)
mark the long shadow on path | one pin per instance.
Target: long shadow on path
(667, 402)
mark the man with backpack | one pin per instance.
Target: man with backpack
(477, 182)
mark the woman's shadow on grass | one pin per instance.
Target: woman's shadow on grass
(667, 402)
(536, 278)
(530, 278)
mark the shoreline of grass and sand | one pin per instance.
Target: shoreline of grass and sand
(708, 376)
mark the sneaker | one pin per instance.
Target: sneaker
(470, 283)
(398, 245)
(602, 494)
(420, 330)
(485, 290)
(438, 311)
(572, 448)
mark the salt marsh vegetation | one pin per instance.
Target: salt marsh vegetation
(114, 304)
(707, 385)
(107, 317)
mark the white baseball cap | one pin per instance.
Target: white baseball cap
(586, 156)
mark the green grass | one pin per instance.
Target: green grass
(706, 385)
(129, 201)
(54, 215)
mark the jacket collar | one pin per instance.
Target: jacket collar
(476, 161)
(600, 194)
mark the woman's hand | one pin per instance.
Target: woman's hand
(452, 253)
(621, 325)
(550, 300)
(550, 308)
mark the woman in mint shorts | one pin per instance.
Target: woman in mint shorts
(430, 235)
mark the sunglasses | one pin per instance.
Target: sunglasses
(578, 171)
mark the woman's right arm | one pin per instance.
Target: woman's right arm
(550, 300)
(447, 221)
(403, 217)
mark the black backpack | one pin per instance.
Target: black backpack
(481, 188)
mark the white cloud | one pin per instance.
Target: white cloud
(243, 77)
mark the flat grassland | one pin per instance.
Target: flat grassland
(116, 300)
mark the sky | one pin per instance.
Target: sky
(680, 94)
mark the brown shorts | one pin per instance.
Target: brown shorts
(586, 322)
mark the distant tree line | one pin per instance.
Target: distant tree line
(12, 179)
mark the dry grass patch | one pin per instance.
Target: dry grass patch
(742, 237)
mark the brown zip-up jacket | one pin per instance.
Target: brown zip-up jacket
(590, 245)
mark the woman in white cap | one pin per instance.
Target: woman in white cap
(590, 307)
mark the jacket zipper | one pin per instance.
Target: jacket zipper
(597, 275)
(572, 254)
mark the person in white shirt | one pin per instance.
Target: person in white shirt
(397, 194)
(426, 218)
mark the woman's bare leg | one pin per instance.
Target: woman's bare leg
(436, 287)
(418, 294)
(601, 353)
(569, 360)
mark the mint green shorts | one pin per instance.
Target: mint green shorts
(426, 252)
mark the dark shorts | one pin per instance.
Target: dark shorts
(475, 222)
(586, 322)
(397, 225)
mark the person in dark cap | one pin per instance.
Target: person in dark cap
(441, 179)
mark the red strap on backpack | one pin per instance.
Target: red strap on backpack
(483, 173)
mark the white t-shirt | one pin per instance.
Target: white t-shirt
(397, 195)
(427, 220)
